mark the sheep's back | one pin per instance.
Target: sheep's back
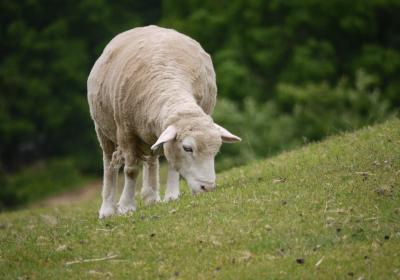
(138, 67)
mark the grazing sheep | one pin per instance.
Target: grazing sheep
(154, 87)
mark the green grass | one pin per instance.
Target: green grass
(337, 201)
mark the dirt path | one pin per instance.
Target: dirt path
(81, 194)
(91, 191)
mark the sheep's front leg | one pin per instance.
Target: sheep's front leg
(151, 182)
(127, 203)
(172, 191)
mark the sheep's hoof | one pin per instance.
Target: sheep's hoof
(125, 209)
(106, 210)
(171, 196)
(150, 198)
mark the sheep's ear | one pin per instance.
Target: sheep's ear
(226, 136)
(168, 134)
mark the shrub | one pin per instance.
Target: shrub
(298, 114)
(37, 182)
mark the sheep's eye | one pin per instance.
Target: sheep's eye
(188, 149)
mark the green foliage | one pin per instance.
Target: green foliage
(273, 42)
(264, 131)
(320, 110)
(334, 205)
(48, 50)
(286, 70)
(37, 182)
(298, 114)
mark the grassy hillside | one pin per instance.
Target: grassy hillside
(329, 210)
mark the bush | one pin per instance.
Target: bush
(259, 126)
(319, 109)
(298, 114)
(37, 182)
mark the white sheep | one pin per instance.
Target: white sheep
(154, 87)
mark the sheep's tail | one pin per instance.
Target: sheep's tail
(117, 159)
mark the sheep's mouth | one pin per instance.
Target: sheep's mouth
(200, 186)
(201, 189)
(204, 188)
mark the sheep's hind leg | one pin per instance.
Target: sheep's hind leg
(172, 191)
(127, 203)
(110, 177)
(151, 182)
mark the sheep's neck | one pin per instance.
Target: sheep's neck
(183, 110)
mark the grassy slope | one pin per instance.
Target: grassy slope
(339, 201)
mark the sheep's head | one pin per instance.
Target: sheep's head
(190, 146)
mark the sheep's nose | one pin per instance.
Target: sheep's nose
(208, 187)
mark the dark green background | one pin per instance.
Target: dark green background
(288, 72)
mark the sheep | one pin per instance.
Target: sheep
(154, 88)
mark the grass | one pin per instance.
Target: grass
(329, 210)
